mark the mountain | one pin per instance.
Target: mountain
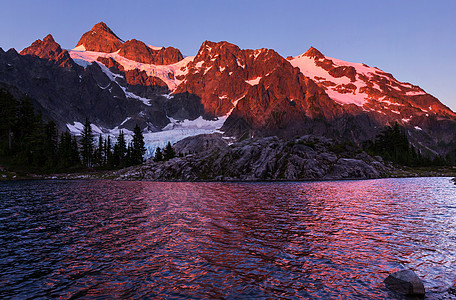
(50, 50)
(100, 39)
(242, 92)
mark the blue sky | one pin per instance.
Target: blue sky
(413, 40)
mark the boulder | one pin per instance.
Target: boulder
(405, 282)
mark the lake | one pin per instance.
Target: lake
(289, 240)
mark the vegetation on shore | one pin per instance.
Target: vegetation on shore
(29, 145)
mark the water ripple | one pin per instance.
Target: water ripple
(328, 240)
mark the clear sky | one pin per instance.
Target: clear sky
(413, 40)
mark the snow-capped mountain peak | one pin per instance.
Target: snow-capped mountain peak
(121, 83)
(367, 87)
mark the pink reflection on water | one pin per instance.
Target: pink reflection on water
(323, 240)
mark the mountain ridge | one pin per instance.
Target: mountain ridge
(258, 92)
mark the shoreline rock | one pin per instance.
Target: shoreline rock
(405, 282)
(213, 158)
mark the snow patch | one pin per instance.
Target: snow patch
(168, 96)
(112, 76)
(124, 121)
(199, 64)
(76, 128)
(415, 93)
(418, 128)
(239, 64)
(80, 48)
(154, 48)
(257, 53)
(85, 58)
(254, 81)
(173, 132)
(83, 63)
(207, 69)
(308, 67)
(133, 96)
(178, 130)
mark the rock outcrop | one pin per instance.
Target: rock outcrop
(138, 51)
(210, 157)
(100, 39)
(50, 50)
(405, 282)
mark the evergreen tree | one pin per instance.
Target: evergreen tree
(64, 151)
(120, 150)
(26, 133)
(87, 144)
(108, 153)
(169, 152)
(128, 156)
(99, 153)
(393, 145)
(158, 155)
(75, 158)
(68, 155)
(8, 115)
(30, 144)
(138, 150)
(122, 144)
(50, 145)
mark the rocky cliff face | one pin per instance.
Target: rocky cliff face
(258, 86)
(138, 51)
(66, 92)
(100, 39)
(49, 50)
(258, 92)
(209, 157)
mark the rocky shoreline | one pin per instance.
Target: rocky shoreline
(215, 158)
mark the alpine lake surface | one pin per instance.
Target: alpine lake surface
(172, 240)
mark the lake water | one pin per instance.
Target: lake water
(327, 240)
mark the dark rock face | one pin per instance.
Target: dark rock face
(111, 63)
(138, 51)
(72, 93)
(50, 50)
(65, 94)
(100, 39)
(209, 157)
(405, 282)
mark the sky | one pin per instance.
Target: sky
(413, 40)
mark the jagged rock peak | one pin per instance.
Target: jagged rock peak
(100, 39)
(49, 39)
(313, 53)
(140, 52)
(104, 28)
(49, 49)
(208, 46)
(42, 48)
